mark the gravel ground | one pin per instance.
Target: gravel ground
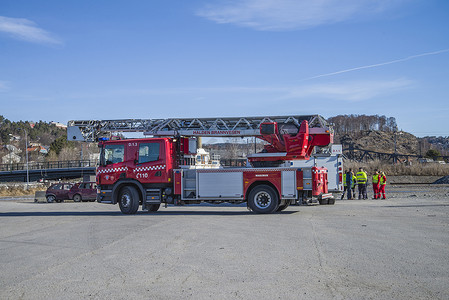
(425, 191)
(372, 249)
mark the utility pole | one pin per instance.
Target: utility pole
(26, 155)
(394, 157)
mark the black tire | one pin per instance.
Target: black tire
(263, 199)
(51, 198)
(128, 200)
(284, 206)
(323, 201)
(153, 207)
(77, 198)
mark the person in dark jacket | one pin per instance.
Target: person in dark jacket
(349, 182)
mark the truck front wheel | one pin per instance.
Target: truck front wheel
(128, 200)
(263, 199)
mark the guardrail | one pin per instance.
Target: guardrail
(65, 164)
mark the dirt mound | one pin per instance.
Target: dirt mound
(381, 141)
(20, 189)
(443, 180)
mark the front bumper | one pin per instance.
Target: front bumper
(104, 196)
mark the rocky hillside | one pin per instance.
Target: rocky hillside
(381, 141)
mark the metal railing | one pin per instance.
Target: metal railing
(66, 164)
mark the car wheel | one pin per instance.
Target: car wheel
(128, 200)
(77, 198)
(51, 198)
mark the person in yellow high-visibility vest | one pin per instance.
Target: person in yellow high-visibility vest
(362, 178)
(383, 183)
(376, 186)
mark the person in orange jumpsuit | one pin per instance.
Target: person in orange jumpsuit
(383, 183)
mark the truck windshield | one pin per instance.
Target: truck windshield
(112, 154)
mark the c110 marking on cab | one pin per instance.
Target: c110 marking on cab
(142, 175)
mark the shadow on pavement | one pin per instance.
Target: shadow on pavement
(417, 205)
(140, 213)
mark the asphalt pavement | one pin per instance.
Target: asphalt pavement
(373, 249)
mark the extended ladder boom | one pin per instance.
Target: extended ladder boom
(91, 130)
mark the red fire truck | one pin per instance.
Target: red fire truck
(169, 168)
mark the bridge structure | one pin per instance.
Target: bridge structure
(71, 169)
(362, 155)
(51, 170)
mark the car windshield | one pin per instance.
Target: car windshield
(112, 154)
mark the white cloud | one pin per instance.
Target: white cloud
(276, 15)
(379, 64)
(26, 30)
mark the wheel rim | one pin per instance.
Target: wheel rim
(51, 198)
(125, 200)
(262, 199)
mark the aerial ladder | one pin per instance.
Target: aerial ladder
(288, 137)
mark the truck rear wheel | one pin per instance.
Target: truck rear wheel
(77, 198)
(263, 199)
(128, 200)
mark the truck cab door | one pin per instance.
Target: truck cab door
(150, 164)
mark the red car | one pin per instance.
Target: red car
(83, 191)
(58, 192)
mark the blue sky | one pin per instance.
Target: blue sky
(77, 60)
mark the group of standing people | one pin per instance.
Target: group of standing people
(360, 179)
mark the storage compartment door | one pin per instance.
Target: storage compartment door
(288, 184)
(227, 185)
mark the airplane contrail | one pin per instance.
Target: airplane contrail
(378, 65)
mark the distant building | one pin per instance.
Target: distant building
(40, 149)
(59, 125)
(12, 149)
(15, 137)
(10, 158)
(425, 160)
